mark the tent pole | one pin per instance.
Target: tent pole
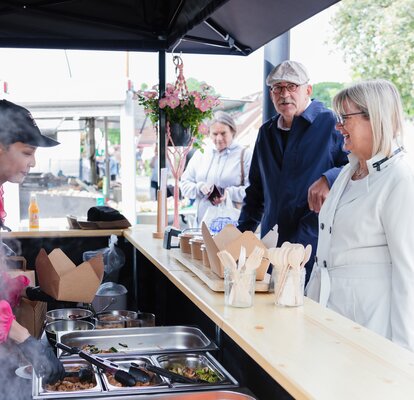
(162, 119)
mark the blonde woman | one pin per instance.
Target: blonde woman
(364, 266)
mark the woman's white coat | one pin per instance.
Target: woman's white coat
(364, 267)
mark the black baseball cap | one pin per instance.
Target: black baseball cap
(18, 125)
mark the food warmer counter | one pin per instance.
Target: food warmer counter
(180, 349)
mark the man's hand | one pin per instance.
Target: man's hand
(317, 194)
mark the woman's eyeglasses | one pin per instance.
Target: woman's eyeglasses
(341, 118)
(290, 87)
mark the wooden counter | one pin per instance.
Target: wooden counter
(312, 352)
(57, 227)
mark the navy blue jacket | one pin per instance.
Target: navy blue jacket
(279, 180)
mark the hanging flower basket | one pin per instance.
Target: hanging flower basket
(180, 136)
(188, 109)
(185, 112)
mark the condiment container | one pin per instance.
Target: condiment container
(195, 244)
(185, 241)
(204, 256)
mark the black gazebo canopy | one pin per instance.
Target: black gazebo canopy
(189, 26)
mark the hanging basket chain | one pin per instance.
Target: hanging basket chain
(180, 83)
(177, 155)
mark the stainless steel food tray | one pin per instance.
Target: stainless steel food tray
(196, 360)
(159, 383)
(145, 341)
(40, 392)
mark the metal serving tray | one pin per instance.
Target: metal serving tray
(41, 392)
(145, 341)
(157, 381)
(196, 361)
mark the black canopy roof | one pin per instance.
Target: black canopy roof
(188, 26)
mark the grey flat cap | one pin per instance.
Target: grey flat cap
(288, 71)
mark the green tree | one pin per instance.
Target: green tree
(325, 91)
(377, 38)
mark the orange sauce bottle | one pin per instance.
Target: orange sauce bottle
(33, 213)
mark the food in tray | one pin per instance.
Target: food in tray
(140, 382)
(203, 373)
(110, 322)
(72, 382)
(91, 348)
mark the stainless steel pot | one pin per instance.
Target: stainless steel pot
(68, 314)
(66, 325)
(110, 296)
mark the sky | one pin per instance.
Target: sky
(35, 75)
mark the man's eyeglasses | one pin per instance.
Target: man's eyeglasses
(290, 87)
(341, 118)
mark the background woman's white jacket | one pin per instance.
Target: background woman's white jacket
(365, 258)
(220, 168)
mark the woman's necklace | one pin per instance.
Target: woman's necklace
(360, 173)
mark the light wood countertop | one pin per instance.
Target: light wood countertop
(312, 352)
(57, 227)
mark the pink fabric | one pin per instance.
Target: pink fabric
(16, 286)
(12, 288)
(6, 319)
(2, 212)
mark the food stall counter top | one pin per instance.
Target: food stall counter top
(56, 227)
(312, 352)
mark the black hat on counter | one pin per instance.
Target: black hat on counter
(104, 217)
(104, 213)
(18, 125)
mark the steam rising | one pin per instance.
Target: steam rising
(12, 387)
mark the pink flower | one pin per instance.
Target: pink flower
(170, 88)
(203, 106)
(197, 102)
(210, 100)
(163, 102)
(173, 102)
(203, 128)
(150, 94)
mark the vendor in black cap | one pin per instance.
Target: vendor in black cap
(19, 139)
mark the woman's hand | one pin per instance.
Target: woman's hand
(36, 294)
(206, 188)
(218, 199)
(43, 359)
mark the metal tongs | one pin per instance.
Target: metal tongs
(169, 374)
(108, 366)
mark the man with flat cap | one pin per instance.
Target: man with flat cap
(297, 156)
(19, 139)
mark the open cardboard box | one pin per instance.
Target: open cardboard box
(60, 278)
(231, 239)
(31, 315)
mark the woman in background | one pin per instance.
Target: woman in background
(364, 267)
(224, 164)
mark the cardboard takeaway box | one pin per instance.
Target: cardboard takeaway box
(231, 239)
(31, 315)
(60, 278)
